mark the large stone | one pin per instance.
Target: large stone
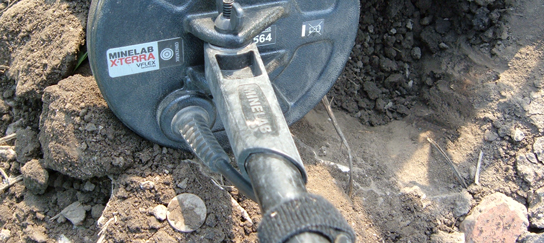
(536, 209)
(71, 149)
(27, 145)
(41, 41)
(497, 218)
(35, 176)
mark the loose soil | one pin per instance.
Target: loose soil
(466, 74)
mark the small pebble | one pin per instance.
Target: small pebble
(183, 184)
(5, 234)
(88, 187)
(147, 185)
(90, 127)
(518, 135)
(75, 212)
(416, 53)
(160, 212)
(96, 211)
(443, 45)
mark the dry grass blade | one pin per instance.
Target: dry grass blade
(478, 166)
(8, 138)
(11, 182)
(9, 6)
(457, 174)
(327, 105)
(243, 211)
(6, 177)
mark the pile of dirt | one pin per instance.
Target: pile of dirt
(387, 74)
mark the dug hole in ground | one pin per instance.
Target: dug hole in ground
(464, 77)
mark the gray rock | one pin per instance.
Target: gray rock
(371, 90)
(14, 127)
(390, 52)
(481, 19)
(27, 145)
(96, 211)
(75, 212)
(160, 212)
(35, 177)
(393, 79)
(490, 136)
(462, 204)
(531, 238)
(416, 53)
(88, 187)
(388, 65)
(426, 20)
(538, 148)
(530, 172)
(183, 184)
(442, 26)
(90, 127)
(536, 208)
(381, 104)
(431, 39)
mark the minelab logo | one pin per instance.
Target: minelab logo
(145, 57)
(257, 110)
(167, 54)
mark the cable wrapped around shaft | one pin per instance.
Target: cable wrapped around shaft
(193, 125)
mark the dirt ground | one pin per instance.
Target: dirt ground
(468, 74)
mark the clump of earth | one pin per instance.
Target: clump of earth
(465, 74)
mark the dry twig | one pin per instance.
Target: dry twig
(103, 230)
(8, 138)
(11, 181)
(9, 6)
(452, 165)
(6, 177)
(478, 166)
(327, 105)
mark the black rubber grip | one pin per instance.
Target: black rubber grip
(310, 213)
